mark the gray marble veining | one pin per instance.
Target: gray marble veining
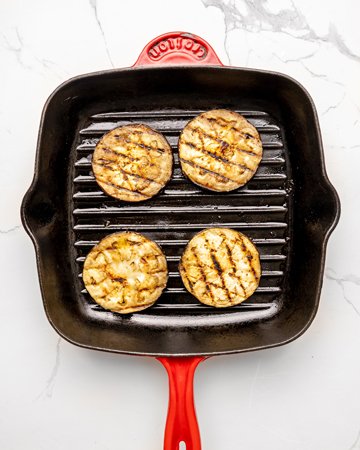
(290, 21)
(94, 6)
(50, 383)
(341, 281)
(10, 230)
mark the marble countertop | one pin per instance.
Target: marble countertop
(303, 396)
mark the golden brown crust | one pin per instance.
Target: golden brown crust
(132, 162)
(125, 272)
(220, 150)
(220, 267)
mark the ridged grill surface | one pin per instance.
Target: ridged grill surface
(260, 209)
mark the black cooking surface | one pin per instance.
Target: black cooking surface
(261, 209)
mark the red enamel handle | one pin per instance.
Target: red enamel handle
(181, 422)
(177, 48)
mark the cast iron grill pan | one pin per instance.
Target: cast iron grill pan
(260, 209)
(288, 209)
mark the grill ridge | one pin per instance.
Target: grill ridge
(260, 209)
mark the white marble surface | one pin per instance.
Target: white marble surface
(304, 396)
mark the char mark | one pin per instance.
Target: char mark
(119, 279)
(219, 270)
(218, 157)
(249, 258)
(185, 275)
(125, 173)
(121, 155)
(139, 144)
(227, 126)
(216, 174)
(232, 263)
(122, 189)
(203, 275)
(200, 132)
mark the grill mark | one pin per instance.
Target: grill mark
(217, 286)
(121, 301)
(108, 183)
(103, 265)
(200, 131)
(105, 162)
(157, 272)
(249, 152)
(114, 246)
(183, 271)
(149, 131)
(119, 279)
(133, 243)
(149, 289)
(213, 120)
(248, 254)
(132, 174)
(94, 282)
(196, 166)
(217, 120)
(114, 152)
(191, 284)
(109, 165)
(207, 287)
(232, 263)
(123, 155)
(218, 157)
(138, 144)
(218, 269)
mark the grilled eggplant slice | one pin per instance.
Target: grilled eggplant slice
(126, 272)
(220, 150)
(132, 162)
(220, 267)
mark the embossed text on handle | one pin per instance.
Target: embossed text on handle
(177, 44)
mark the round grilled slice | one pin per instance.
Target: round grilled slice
(132, 162)
(220, 150)
(220, 267)
(125, 272)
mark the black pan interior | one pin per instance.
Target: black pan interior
(287, 209)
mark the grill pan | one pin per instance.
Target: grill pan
(288, 209)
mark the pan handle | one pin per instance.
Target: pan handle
(181, 422)
(176, 48)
